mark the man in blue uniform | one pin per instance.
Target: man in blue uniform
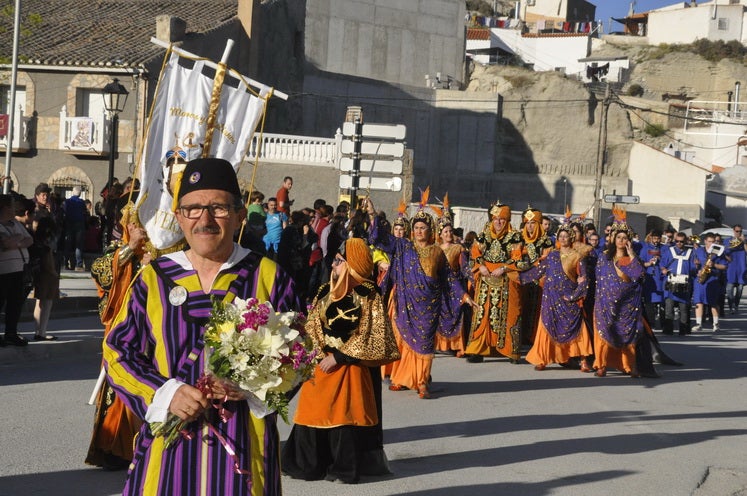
(678, 266)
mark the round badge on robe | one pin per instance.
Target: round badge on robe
(178, 295)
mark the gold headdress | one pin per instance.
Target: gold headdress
(444, 214)
(498, 209)
(578, 222)
(620, 222)
(421, 215)
(531, 214)
(401, 219)
(566, 225)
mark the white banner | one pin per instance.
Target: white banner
(177, 128)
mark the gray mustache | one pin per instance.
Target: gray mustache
(206, 229)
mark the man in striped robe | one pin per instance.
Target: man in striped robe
(154, 354)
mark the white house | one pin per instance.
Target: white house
(668, 187)
(556, 11)
(686, 22)
(601, 68)
(545, 52)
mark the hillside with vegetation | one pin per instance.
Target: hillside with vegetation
(557, 116)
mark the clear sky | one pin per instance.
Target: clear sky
(619, 8)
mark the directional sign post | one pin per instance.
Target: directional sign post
(622, 199)
(372, 165)
(355, 171)
(372, 148)
(375, 149)
(383, 131)
(393, 183)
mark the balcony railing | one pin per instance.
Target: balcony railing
(297, 149)
(720, 117)
(21, 142)
(84, 135)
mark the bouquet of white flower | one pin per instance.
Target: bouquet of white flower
(262, 353)
(255, 351)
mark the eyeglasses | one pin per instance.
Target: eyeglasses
(216, 210)
(737, 231)
(679, 240)
(337, 261)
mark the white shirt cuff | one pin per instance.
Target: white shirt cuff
(159, 408)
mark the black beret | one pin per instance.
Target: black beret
(209, 173)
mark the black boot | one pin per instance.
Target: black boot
(15, 339)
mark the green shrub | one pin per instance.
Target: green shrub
(480, 6)
(635, 90)
(719, 49)
(654, 130)
(712, 51)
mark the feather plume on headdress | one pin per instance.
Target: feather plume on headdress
(422, 215)
(402, 209)
(566, 227)
(401, 219)
(620, 222)
(424, 195)
(577, 223)
(444, 214)
(620, 215)
(444, 208)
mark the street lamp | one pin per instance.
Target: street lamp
(115, 97)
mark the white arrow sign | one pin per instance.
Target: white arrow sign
(622, 199)
(368, 148)
(377, 183)
(377, 165)
(387, 131)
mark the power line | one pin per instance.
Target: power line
(415, 99)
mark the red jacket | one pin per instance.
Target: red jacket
(318, 224)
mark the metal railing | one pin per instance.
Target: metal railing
(701, 116)
(83, 134)
(21, 140)
(297, 149)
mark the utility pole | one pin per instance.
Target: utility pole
(601, 155)
(355, 172)
(12, 103)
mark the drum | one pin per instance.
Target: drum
(678, 283)
(676, 287)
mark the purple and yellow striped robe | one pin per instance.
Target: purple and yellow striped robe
(152, 341)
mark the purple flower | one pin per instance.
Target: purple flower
(254, 316)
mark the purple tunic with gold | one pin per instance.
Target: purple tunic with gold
(618, 312)
(561, 315)
(425, 303)
(155, 340)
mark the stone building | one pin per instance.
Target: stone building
(67, 58)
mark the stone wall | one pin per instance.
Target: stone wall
(45, 99)
(389, 40)
(681, 72)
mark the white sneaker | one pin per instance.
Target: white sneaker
(696, 328)
(716, 328)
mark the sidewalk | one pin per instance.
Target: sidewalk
(74, 320)
(78, 293)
